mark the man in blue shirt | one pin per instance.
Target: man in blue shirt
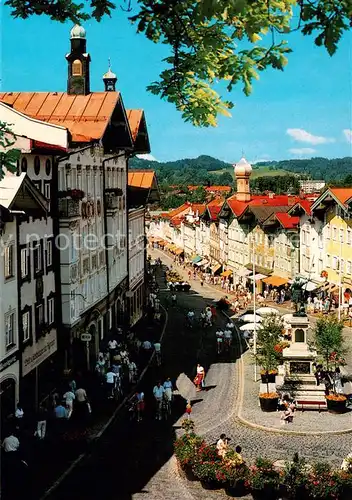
(158, 392)
(60, 411)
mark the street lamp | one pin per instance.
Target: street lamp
(254, 312)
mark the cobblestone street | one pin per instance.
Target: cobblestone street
(134, 461)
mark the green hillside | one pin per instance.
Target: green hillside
(206, 169)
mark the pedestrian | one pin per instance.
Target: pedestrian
(188, 409)
(19, 414)
(11, 443)
(60, 412)
(110, 379)
(140, 406)
(168, 388)
(222, 445)
(157, 348)
(158, 393)
(81, 403)
(42, 416)
(69, 397)
(132, 372)
(112, 344)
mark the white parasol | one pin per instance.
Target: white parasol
(249, 327)
(265, 311)
(251, 318)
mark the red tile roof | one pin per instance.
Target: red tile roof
(141, 178)
(342, 194)
(304, 204)
(238, 207)
(225, 189)
(134, 117)
(85, 116)
(287, 221)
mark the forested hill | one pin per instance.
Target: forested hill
(208, 169)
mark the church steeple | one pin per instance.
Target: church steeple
(78, 63)
(109, 79)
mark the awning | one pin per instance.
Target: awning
(310, 286)
(196, 259)
(215, 268)
(162, 243)
(259, 269)
(243, 272)
(178, 251)
(226, 274)
(257, 277)
(275, 281)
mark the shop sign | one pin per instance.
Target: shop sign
(5, 363)
(35, 354)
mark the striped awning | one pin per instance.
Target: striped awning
(196, 259)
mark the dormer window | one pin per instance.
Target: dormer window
(77, 68)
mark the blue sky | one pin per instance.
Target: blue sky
(302, 112)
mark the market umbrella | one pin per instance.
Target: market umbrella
(264, 311)
(186, 387)
(251, 318)
(249, 327)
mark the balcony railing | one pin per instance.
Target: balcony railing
(68, 208)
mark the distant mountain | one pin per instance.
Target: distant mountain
(205, 169)
(204, 162)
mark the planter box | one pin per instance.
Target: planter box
(268, 404)
(211, 485)
(336, 406)
(265, 494)
(236, 489)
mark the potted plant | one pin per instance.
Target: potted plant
(206, 467)
(236, 472)
(330, 346)
(210, 474)
(186, 452)
(295, 478)
(345, 480)
(268, 357)
(263, 479)
(323, 483)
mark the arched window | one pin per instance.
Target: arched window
(37, 165)
(48, 167)
(76, 68)
(299, 335)
(24, 165)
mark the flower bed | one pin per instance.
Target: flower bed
(298, 480)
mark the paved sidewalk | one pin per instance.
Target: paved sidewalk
(48, 459)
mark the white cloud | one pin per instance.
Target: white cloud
(298, 134)
(302, 151)
(147, 156)
(348, 135)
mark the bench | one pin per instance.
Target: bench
(302, 403)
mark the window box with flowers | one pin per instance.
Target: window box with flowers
(74, 194)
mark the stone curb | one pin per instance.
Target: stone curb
(247, 423)
(80, 458)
